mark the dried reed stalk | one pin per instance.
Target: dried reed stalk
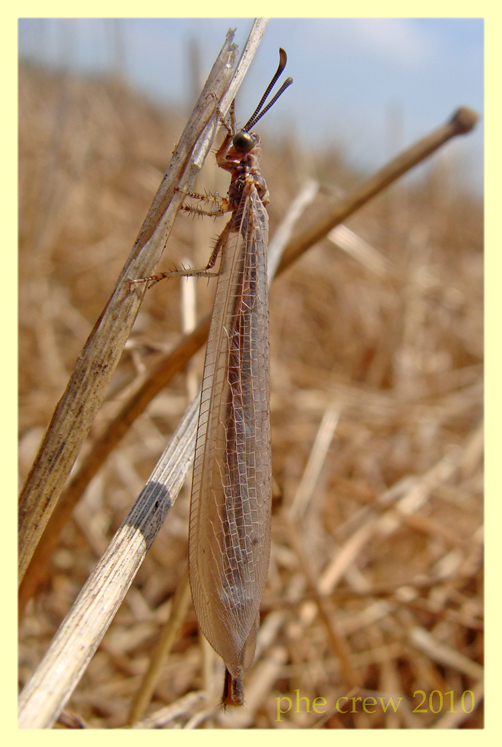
(93, 611)
(86, 389)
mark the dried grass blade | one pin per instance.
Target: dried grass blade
(85, 625)
(86, 389)
(462, 122)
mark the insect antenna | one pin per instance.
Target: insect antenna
(256, 115)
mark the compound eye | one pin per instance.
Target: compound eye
(243, 141)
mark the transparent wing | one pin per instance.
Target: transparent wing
(229, 541)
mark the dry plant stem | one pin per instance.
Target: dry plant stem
(200, 716)
(70, 720)
(423, 641)
(317, 458)
(335, 637)
(453, 720)
(86, 389)
(284, 232)
(179, 609)
(462, 122)
(85, 625)
(157, 379)
(163, 716)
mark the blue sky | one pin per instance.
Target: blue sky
(350, 75)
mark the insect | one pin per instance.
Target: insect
(229, 535)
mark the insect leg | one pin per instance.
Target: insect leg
(198, 272)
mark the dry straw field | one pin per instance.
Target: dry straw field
(375, 588)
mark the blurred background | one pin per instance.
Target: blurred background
(376, 356)
(366, 85)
